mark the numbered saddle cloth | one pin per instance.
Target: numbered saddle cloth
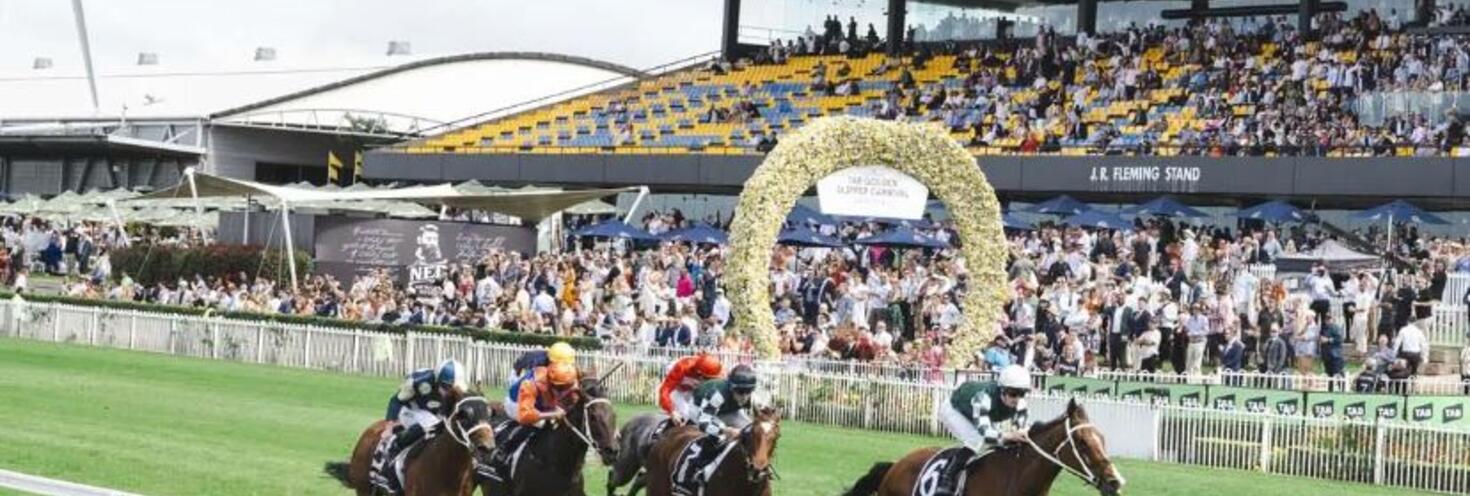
(695, 467)
(935, 476)
(387, 475)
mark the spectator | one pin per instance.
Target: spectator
(1277, 353)
(1410, 346)
(1197, 327)
(1331, 347)
(1232, 357)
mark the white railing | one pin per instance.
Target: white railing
(1426, 385)
(1262, 271)
(1455, 287)
(1385, 453)
(1447, 325)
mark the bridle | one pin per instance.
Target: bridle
(755, 475)
(1054, 457)
(584, 433)
(458, 432)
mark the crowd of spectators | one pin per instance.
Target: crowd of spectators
(1162, 297)
(1256, 86)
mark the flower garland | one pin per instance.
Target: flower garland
(829, 144)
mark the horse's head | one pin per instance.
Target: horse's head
(759, 442)
(469, 423)
(592, 417)
(1080, 445)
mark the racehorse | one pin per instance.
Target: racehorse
(748, 470)
(1069, 443)
(551, 462)
(444, 464)
(637, 438)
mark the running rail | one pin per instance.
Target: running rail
(52, 487)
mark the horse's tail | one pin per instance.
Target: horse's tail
(868, 485)
(338, 470)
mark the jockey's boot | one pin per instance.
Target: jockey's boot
(410, 435)
(949, 482)
(518, 435)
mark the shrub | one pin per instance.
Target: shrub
(151, 264)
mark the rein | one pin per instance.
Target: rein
(586, 436)
(460, 434)
(1053, 456)
(755, 475)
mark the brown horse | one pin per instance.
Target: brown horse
(444, 466)
(551, 462)
(748, 470)
(1070, 442)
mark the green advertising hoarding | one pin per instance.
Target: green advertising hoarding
(1255, 400)
(1080, 386)
(1353, 406)
(1440, 411)
(1188, 395)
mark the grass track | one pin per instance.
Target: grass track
(157, 424)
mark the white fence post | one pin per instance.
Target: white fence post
(1266, 445)
(408, 352)
(96, 321)
(213, 339)
(55, 323)
(306, 347)
(133, 330)
(356, 350)
(1380, 437)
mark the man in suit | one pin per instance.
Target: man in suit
(1118, 333)
(1138, 324)
(1331, 338)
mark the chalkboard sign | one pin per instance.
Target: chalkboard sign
(418, 253)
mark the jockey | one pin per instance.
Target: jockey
(525, 367)
(720, 410)
(561, 352)
(985, 415)
(420, 401)
(676, 394)
(538, 400)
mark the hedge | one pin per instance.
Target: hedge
(483, 335)
(152, 264)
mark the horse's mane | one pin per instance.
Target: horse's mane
(1041, 427)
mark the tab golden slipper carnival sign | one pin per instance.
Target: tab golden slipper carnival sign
(827, 145)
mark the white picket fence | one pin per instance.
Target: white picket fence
(1384, 453)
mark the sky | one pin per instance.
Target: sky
(215, 35)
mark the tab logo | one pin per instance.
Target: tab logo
(1355, 411)
(1389, 411)
(1323, 409)
(1190, 400)
(1453, 413)
(1256, 405)
(1287, 407)
(1423, 412)
(1226, 403)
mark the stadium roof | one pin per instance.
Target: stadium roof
(428, 90)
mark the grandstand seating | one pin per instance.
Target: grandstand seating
(669, 113)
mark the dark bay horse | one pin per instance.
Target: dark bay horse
(444, 465)
(637, 440)
(747, 471)
(1069, 443)
(551, 462)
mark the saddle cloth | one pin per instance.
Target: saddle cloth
(936, 469)
(503, 471)
(692, 470)
(388, 474)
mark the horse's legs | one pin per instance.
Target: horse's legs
(638, 484)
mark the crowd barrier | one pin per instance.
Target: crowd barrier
(1252, 435)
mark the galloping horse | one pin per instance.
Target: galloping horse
(444, 464)
(637, 438)
(1069, 442)
(551, 462)
(747, 472)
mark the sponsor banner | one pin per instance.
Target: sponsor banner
(1255, 400)
(1440, 411)
(872, 191)
(1353, 406)
(1081, 386)
(1188, 395)
(419, 253)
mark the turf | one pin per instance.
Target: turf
(156, 424)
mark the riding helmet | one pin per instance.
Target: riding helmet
(561, 374)
(449, 372)
(742, 379)
(708, 366)
(1014, 377)
(561, 352)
